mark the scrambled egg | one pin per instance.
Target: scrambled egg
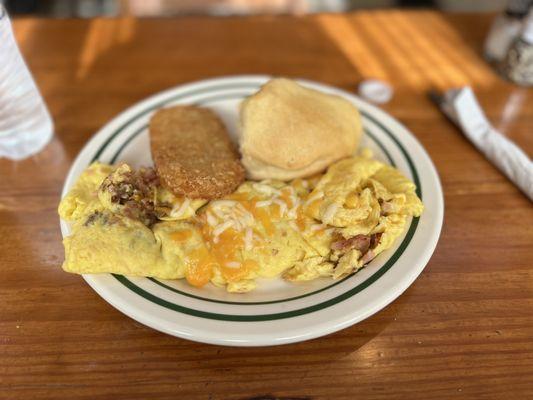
(329, 225)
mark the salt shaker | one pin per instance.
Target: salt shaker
(25, 124)
(518, 64)
(505, 28)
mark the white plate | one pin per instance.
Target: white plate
(277, 312)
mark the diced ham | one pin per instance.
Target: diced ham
(135, 192)
(367, 257)
(386, 208)
(359, 242)
(374, 239)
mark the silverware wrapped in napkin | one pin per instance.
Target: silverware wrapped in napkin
(463, 109)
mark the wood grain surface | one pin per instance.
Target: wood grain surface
(463, 330)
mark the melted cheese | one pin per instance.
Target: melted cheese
(200, 264)
(264, 229)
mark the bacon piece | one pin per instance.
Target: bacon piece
(359, 242)
(135, 192)
(367, 257)
(374, 239)
(386, 208)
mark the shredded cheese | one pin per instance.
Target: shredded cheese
(293, 212)
(248, 239)
(237, 225)
(218, 213)
(266, 189)
(211, 220)
(316, 196)
(223, 203)
(263, 203)
(182, 209)
(317, 227)
(330, 213)
(294, 226)
(247, 217)
(222, 227)
(282, 206)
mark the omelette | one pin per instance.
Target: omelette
(330, 225)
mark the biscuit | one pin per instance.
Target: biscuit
(290, 131)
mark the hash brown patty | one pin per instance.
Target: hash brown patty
(193, 154)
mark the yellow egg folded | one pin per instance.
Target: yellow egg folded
(123, 221)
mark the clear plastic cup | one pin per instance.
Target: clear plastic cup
(25, 124)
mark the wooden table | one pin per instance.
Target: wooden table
(463, 330)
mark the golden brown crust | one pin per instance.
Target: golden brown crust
(291, 131)
(193, 154)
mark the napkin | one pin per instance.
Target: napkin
(462, 107)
